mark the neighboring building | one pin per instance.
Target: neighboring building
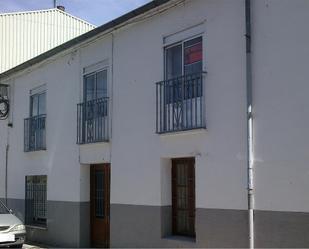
(120, 138)
(25, 35)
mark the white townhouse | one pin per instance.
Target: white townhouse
(180, 124)
(26, 34)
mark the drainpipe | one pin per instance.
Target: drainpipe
(249, 124)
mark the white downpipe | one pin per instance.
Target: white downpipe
(250, 154)
(250, 182)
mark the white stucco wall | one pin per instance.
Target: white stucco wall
(281, 140)
(220, 166)
(138, 156)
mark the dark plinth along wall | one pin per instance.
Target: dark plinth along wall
(68, 223)
(275, 229)
(150, 226)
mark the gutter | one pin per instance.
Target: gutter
(249, 123)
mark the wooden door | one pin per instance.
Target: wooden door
(100, 204)
(183, 196)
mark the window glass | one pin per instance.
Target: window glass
(42, 104)
(174, 62)
(34, 105)
(95, 85)
(101, 84)
(89, 87)
(193, 56)
(38, 104)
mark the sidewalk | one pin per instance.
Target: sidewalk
(33, 246)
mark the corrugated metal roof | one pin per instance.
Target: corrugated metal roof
(105, 27)
(45, 11)
(25, 35)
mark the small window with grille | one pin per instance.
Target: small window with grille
(36, 192)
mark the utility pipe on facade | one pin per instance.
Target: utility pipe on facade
(6, 173)
(249, 123)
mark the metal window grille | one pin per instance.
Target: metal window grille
(35, 133)
(92, 121)
(4, 101)
(4, 92)
(36, 192)
(180, 104)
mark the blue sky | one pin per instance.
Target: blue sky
(94, 11)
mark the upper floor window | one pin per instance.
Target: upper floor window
(34, 126)
(38, 104)
(184, 58)
(180, 100)
(92, 114)
(95, 85)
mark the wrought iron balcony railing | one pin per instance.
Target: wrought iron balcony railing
(35, 133)
(180, 104)
(92, 121)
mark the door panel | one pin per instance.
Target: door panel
(183, 196)
(100, 204)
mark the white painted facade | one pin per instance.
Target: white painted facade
(140, 158)
(25, 35)
(280, 63)
(133, 118)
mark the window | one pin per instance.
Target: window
(95, 85)
(92, 113)
(34, 126)
(180, 96)
(184, 62)
(184, 58)
(183, 197)
(38, 104)
(36, 192)
(95, 94)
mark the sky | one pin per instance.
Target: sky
(96, 12)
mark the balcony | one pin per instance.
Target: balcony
(35, 133)
(180, 104)
(92, 121)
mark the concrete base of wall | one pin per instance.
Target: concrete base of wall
(281, 229)
(133, 226)
(68, 223)
(150, 226)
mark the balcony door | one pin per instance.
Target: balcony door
(100, 205)
(95, 107)
(183, 77)
(35, 125)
